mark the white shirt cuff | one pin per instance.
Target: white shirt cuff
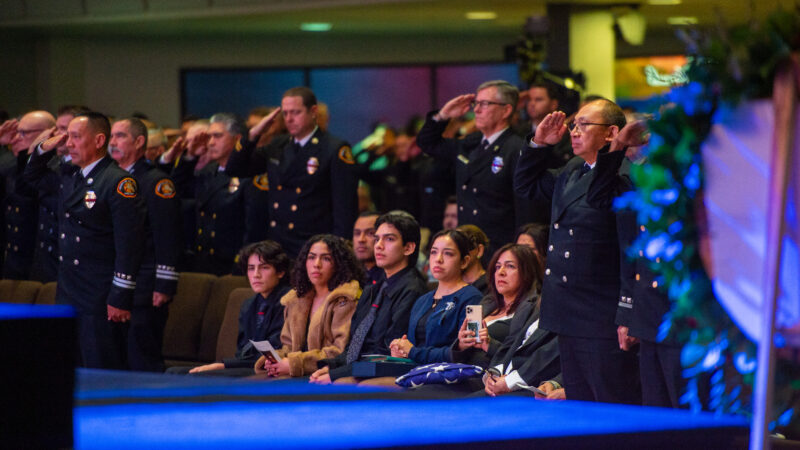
(515, 382)
(532, 144)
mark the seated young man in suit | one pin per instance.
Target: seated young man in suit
(383, 311)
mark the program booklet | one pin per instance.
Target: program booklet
(266, 349)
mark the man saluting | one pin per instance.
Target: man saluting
(102, 231)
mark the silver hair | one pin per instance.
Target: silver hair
(506, 92)
(233, 124)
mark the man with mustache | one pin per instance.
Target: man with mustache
(157, 279)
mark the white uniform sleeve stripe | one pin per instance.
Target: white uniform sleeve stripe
(167, 277)
(124, 281)
(123, 286)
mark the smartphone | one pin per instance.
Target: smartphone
(474, 320)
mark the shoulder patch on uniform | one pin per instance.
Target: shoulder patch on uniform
(261, 182)
(165, 188)
(346, 155)
(127, 187)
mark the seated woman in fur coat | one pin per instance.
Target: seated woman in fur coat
(319, 307)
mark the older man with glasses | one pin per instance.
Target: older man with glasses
(582, 280)
(484, 161)
(19, 199)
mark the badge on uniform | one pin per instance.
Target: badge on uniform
(497, 164)
(346, 155)
(165, 189)
(89, 199)
(261, 182)
(312, 165)
(127, 188)
(314, 141)
(463, 159)
(233, 186)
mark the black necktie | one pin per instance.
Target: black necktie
(585, 169)
(485, 144)
(260, 312)
(78, 179)
(357, 340)
(291, 154)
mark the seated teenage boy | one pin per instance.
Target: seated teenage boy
(383, 311)
(261, 316)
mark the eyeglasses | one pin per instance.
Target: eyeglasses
(485, 104)
(582, 126)
(24, 133)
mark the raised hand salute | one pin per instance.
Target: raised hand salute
(264, 124)
(50, 143)
(633, 134)
(7, 131)
(551, 130)
(456, 107)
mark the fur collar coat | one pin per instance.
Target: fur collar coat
(324, 335)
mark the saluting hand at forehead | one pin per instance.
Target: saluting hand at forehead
(634, 134)
(551, 129)
(8, 130)
(456, 107)
(54, 142)
(43, 136)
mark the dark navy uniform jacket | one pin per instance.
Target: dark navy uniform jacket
(484, 179)
(582, 281)
(642, 303)
(312, 189)
(101, 237)
(164, 233)
(227, 217)
(51, 190)
(20, 207)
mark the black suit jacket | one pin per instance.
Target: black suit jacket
(249, 329)
(536, 359)
(391, 321)
(484, 179)
(582, 281)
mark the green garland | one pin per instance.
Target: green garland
(726, 67)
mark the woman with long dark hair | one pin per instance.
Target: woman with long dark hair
(514, 277)
(436, 315)
(319, 307)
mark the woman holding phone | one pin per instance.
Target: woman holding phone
(518, 354)
(319, 307)
(515, 277)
